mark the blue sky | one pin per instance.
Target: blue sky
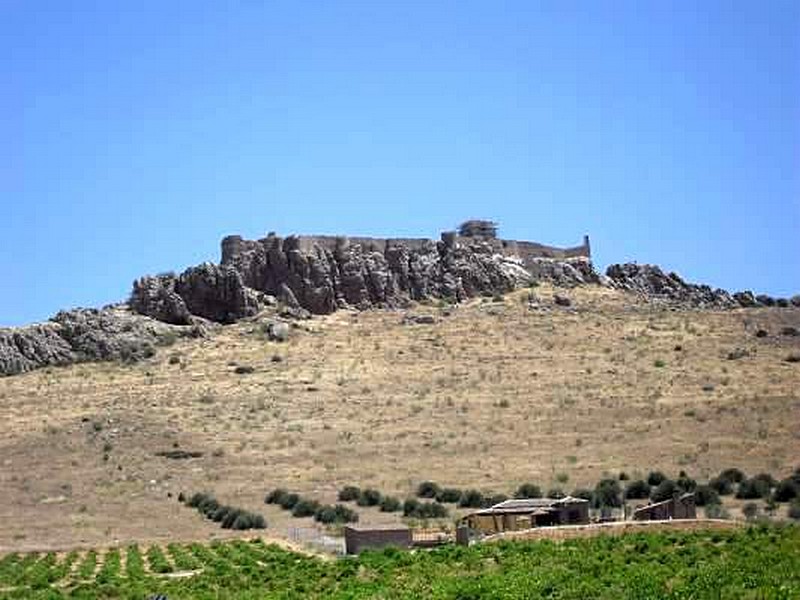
(136, 135)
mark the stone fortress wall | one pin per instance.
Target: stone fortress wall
(528, 252)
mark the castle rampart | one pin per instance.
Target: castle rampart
(234, 245)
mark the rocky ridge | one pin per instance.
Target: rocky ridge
(322, 278)
(297, 276)
(111, 333)
(650, 282)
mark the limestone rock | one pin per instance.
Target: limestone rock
(26, 348)
(111, 333)
(156, 297)
(651, 282)
(561, 300)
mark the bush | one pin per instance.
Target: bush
(494, 499)
(607, 492)
(733, 475)
(705, 495)
(794, 510)
(275, 496)
(227, 516)
(555, 493)
(425, 510)
(349, 493)
(325, 514)
(345, 514)
(750, 510)
(584, 493)
(716, 511)
(288, 501)
(390, 504)
(428, 489)
(244, 370)
(305, 508)
(528, 490)
(751, 489)
(410, 506)
(369, 497)
(664, 491)
(451, 495)
(654, 478)
(472, 499)
(786, 490)
(637, 490)
(723, 487)
(766, 479)
(328, 514)
(685, 483)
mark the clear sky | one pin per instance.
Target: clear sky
(136, 134)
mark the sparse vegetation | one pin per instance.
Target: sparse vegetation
(228, 517)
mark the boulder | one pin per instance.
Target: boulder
(561, 300)
(111, 333)
(277, 331)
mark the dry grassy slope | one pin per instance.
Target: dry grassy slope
(491, 396)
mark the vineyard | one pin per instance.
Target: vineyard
(758, 562)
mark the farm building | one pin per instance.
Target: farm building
(527, 513)
(358, 538)
(681, 507)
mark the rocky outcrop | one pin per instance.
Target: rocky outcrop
(651, 282)
(210, 291)
(323, 276)
(78, 335)
(26, 348)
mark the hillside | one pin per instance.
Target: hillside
(488, 394)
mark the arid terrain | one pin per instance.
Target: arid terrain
(490, 395)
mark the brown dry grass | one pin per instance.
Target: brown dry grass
(493, 395)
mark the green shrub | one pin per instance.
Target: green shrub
(716, 511)
(654, 478)
(750, 510)
(424, 510)
(786, 490)
(733, 475)
(451, 495)
(305, 508)
(288, 501)
(751, 489)
(410, 506)
(637, 490)
(345, 514)
(472, 499)
(528, 490)
(722, 486)
(664, 491)
(685, 483)
(275, 496)
(607, 492)
(349, 493)
(325, 514)
(584, 493)
(766, 479)
(494, 499)
(555, 493)
(390, 504)
(369, 497)
(705, 495)
(428, 489)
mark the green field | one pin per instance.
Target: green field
(758, 562)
